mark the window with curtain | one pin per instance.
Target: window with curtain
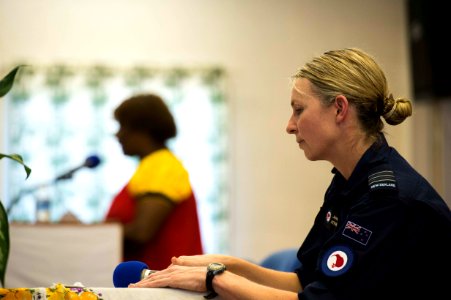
(56, 116)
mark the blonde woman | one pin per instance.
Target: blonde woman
(382, 232)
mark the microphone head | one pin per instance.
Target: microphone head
(128, 272)
(92, 161)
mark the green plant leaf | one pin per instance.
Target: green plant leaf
(5, 86)
(7, 82)
(18, 159)
(4, 223)
(4, 243)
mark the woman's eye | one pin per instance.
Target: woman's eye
(298, 110)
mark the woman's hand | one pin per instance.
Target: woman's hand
(202, 260)
(185, 272)
(176, 276)
(189, 273)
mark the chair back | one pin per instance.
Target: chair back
(282, 260)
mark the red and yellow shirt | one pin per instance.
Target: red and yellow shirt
(161, 173)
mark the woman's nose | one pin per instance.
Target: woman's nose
(291, 127)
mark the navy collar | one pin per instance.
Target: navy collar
(374, 155)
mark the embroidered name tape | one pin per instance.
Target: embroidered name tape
(331, 219)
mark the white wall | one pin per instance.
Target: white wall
(276, 192)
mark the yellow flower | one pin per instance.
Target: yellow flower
(88, 296)
(3, 291)
(16, 294)
(9, 296)
(56, 293)
(56, 296)
(60, 288)
(71, 296)
(23, 294)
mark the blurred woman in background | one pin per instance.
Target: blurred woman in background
(157, 207)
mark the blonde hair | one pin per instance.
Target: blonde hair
(355, 74)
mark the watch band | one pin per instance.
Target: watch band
(211, 295)
(212, 270)
(209, 285)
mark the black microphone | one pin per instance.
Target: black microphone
(130, 272)
(90, 162)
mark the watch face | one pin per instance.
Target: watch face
(216, 267)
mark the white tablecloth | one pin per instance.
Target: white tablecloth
(148, 294)
(44, 254)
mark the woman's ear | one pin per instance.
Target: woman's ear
(341, 105)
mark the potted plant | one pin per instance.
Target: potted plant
(6, 83)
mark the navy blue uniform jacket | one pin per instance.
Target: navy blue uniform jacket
(383, 234)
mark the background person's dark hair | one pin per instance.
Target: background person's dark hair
(147, 113)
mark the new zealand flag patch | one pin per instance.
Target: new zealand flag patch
(357, 233)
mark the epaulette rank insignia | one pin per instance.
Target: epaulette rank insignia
(382, 180)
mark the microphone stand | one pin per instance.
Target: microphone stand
(25, 192)
(90, 162)
(32, 190)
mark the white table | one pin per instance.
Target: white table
(44, 254)
(149, 294)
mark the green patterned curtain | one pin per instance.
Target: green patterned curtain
(56, 116)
